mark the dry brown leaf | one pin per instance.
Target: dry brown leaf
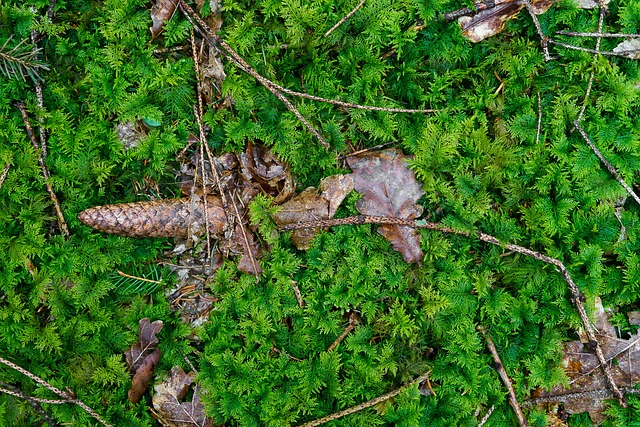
(268, 172)
(167, 401)
(584, 372)
(489, 21)
(314, 204)
(145, 345)
(161, 11)
(211, 67)
(629, 49)
(143, 376)
(390, 189)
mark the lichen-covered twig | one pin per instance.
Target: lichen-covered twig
(486, 416)
(602, 11)
(33, 401)
(366, 404)
(45, 172)
(3, 176)
(513, 399)
(604, 161)
(544, 40)
(344, 19)
(66, 396)
(599, 34)
(576, 296)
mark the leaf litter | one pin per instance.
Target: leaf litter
(142, 358)
(169, 407)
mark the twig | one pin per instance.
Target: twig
(576, 296)
(608, 165)
(45, 173)
(486, 416)
(138, 278)
(355, 153)
(245, 239)
(353, 322)
(544, 40)
(68, 398)
(4, 173)
(33, 401)
(513, 399)
(343, 20)
(296, 290)
(603, 35)
(539, 119)
(366, 404)
(622, 53)
(591, 394)
(602, 11)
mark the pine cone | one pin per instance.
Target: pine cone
(164, 218)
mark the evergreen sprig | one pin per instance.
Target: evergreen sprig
(21, 60)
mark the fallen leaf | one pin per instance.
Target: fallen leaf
(145, 345)
(583, 369)
(211, 67)
(143, 376)
(629, 49)
(161, 11)
(490, 20)
(272, 175)
(390, 189)
(314, 204)
(170, 410)
(590, 4)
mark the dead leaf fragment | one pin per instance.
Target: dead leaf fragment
(629, 49)
(167, 401)
(143, 377)
(591, 4)
(312, 205)
(583, 369)
(389, 189)
(145, 345)
(161, 11)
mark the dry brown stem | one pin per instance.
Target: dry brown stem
(344, 19)
(66, 396)
(33, 401)
(45, 172)
(366, 404)
(296, 290)
(4, 173)
(120, 273)
(513, 399)
(353, 322)
(486, 416)
(602, 11)
(599, 34)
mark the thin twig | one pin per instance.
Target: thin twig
(296, 290)
(576, 296)
(4, 173)
(366, 404)
(602, 11)
(486, 416)
(63, 394)
(353, 322)
(343, 20)
(120, 273)
(45, 173)
(513, 399)
(33, 401)
(599, 394)
(544, 40)
(245, 239)
(599, 34)
(608, 165)
(539, 120)
(622, 53)
(364, 150)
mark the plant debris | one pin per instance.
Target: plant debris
(161, 12)
(143, 357)
(170, 410)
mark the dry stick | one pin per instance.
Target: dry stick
(576, 296)
(120, 273)
(539, 119)
(364, 150)
(599, 34)
(35, 404)
(622, 53)
(232, 56)
(343, 20)
(68, 398)
(599, 394)
(513, 399)
(45, 173)
(353, 322)
(245, 238)
(486, 416)
(544, 40)
(602, 11)
(296, 290)
(4, 173)
(609, 166)
(366, 404)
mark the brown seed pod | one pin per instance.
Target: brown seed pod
(163, 218)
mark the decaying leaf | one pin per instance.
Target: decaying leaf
(490, 18)
(390, 189)
(586, 379)
(629, 49)
(591, 4)
(161, 11)
(170, 410)
(143, 377)
(268, 172)
(314, 204)
(211, 67)
(145, 345)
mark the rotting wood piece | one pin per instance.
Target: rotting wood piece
(164, 218)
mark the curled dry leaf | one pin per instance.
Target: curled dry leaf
(314, 204)
(262, 168)
(170, 410)
(490, 19)
(145, 345)
(161, 11)
(583, 369)
(143, 376)
(390, 189)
